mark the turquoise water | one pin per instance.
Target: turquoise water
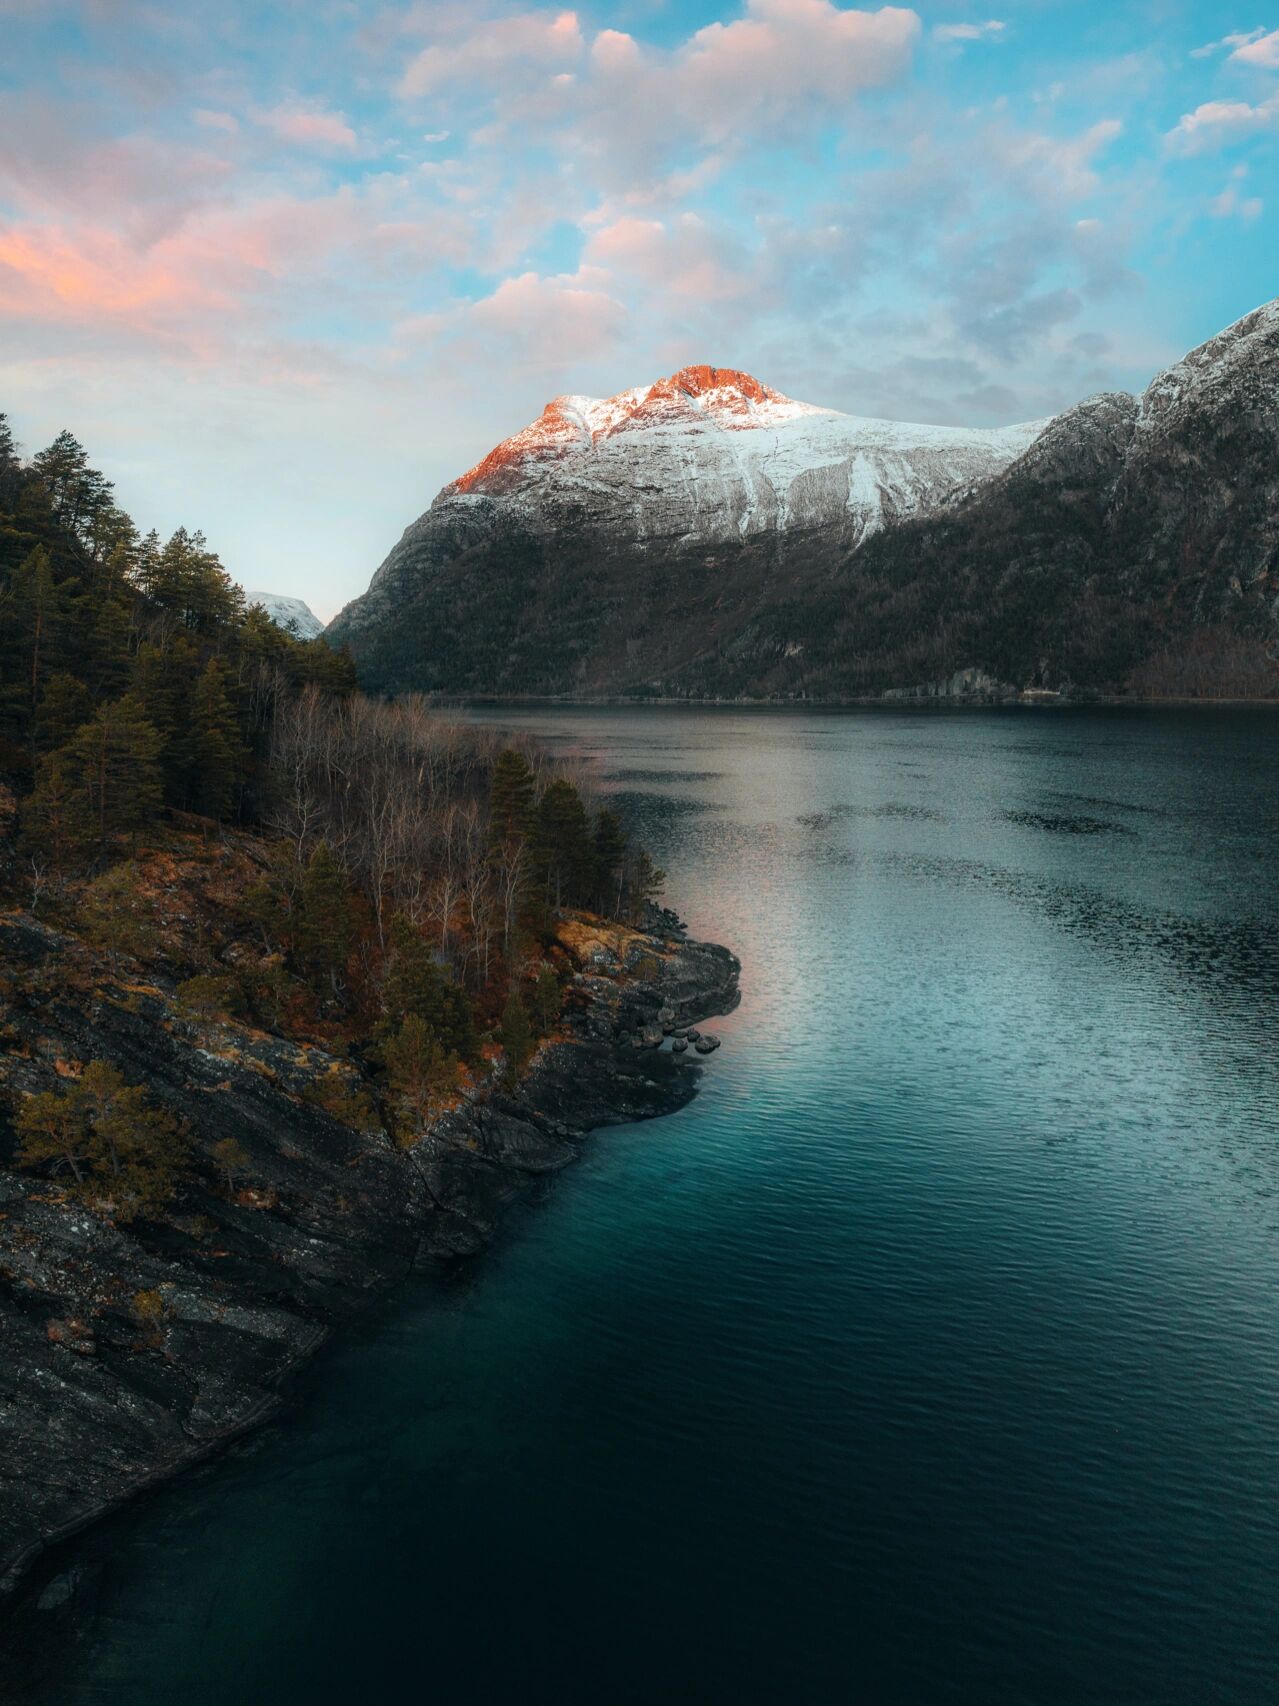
(931, 1355)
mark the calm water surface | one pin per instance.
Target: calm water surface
(931, 1355)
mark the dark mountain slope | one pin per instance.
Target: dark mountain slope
(1133, 547)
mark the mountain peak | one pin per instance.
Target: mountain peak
(292, 614)
(699, 396)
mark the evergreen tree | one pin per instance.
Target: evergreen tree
(417, 984)
(125, 1156)
(187, 579)
(208, 748)
(64, 707)
(564, 856)
(34, 639)
(325, 928)
(233, 1161)
(77, 493)
(546, 999)
(56, 822)
(115, 763)
(419, 1068)
(647, 882)
(517, 1034)
(510, 799)
(610, 861)
(10, 465)
(116, 916)
(160, 679)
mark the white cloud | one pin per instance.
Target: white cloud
(1232, 203)
(969, 32)
(1258, 49)
(1216, 124)
(1250, 47)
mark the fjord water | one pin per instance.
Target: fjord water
(931, 1354)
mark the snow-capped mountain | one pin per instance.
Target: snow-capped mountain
(289, 613)
(678, 475)
(711, 454)
(707, 536)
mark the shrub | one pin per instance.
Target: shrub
(211, 996)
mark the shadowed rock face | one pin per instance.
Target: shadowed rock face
(99, 1399)
(583, 536)
(1136, 543)
(697, 539)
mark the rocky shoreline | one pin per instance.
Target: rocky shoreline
(127, 1356)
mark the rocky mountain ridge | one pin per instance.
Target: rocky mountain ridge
(708, 537)
(705, 468)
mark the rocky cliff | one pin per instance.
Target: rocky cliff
(130, 1351)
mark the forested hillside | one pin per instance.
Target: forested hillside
(193, 795)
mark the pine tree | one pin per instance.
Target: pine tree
(160, 680)
(56, 822)
(115, 761)
(232, 1159)
(517, 1034)
(510, 799)
(207, 758)
(417, 984)
(115, 915)
(610, 861)
(564, 856)
(64, 707)
(419, 1068)
(77, 493)
(546, 1000)
(325, 927)
(125, 1156)
(187, 579)
(10, 464)
(34, 638)
(647, 882)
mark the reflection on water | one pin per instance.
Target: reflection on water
(929, 1356)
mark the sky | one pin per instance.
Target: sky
(285, 267)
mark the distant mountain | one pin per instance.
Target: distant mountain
(290, 613)
(708, 537)
(564, 561)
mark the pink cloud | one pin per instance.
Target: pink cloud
(519, 48)
(683, 257)
(48, 274)
(788, 53)
(308, 127)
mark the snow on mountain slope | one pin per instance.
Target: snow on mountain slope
(290, 613)
(707, 457)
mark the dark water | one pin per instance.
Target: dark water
(931, 1355)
